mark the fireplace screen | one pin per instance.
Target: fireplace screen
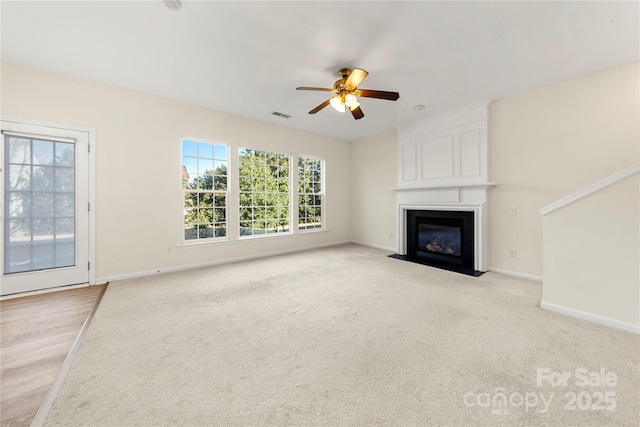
(440, 239)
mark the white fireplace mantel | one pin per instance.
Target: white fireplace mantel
(485, 185)
(443, 165)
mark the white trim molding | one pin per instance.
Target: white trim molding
(373, 245)
(618, 176)
(516, 274)
(91, 181)
(591, 317)
(443, 165)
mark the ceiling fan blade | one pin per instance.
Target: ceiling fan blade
(320, 107)
(380, 94)
(320, 89)
(355, 78)
(357, 113)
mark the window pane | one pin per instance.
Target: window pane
(204, 182)
(19, 177)
(220, 200)
(245, 214)
(205, 216)
(19, 150)
(42, 205)
(191, 163)
(310, 191)
(220, 215)
(190, 232)
(43, 255)
(43, 229)
(189, 148)
(220, 182)
(65, 204)
(65, 254)
(42, 152)
(65, 179)
(19, 230)
(65, 154)
(220, 152)
(221, 230)
(220, 167)
(19, 205)
(42, 178)
(190, 199)
(65, 228)
(205, 150)
(205, 200)
(205, 231)
(204, 166)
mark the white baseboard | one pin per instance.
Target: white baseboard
(212, 263)
(516, 274)
(371, 245)
(591, 317)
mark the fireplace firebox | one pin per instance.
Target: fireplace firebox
(441, 238)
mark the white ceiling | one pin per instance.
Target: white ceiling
(247, 58)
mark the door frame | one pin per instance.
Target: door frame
(91, 134)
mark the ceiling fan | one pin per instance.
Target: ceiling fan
(347, 93)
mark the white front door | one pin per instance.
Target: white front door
(45, 207)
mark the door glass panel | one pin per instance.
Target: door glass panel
(39, 204)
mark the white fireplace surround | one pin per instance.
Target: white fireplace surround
(467, 198)
(443, 166)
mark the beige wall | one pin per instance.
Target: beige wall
(545, 144)
(373, 204)
(591, 254)
(138, 196)
(549, 143)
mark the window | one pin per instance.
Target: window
(264, 192)
(309, 193)
(204, 184)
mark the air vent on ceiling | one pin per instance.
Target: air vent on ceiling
(284, 116)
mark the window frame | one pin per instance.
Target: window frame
(213, 191)
(321, 194)
(289, 231)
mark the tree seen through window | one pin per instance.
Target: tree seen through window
(264, 192)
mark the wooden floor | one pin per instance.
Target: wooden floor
(37, 333)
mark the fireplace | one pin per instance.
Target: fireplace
(443, 184)
(441, 238)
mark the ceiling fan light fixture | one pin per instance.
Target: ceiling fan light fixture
(350, 100)
(337, 103)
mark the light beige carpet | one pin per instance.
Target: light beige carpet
(341, 336)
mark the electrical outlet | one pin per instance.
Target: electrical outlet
(513, 211)
(169, 249)
(512, 252)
